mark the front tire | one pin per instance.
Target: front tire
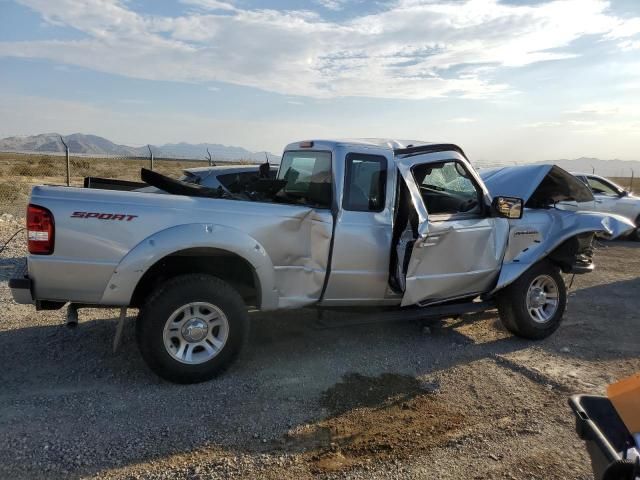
(532, 307)
(191, 328)
(635, 235)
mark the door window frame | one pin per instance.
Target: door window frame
(441, 217)
(347, 180)
(612, 186)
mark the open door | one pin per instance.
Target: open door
(458, 247)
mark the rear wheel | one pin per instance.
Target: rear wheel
(532, 307)
(191, 328)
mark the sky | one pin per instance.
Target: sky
(508, 80)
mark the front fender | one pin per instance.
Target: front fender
(143, 256)
(539, 232)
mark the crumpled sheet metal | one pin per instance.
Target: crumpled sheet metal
(300, 257)
(287, 245)
(539, 232)
(523, 181)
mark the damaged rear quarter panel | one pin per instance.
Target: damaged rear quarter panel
(287, 245)
(287, 252)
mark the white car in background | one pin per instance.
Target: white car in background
(612, 198)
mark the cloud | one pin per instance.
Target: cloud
(334, 5)
(462, 120)
(582, 123)
(606, 109)
(411, 50)
(548, 124)
(209, 4)
(133, 101)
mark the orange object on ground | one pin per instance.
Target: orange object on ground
(625, 397)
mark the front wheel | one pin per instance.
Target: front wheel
(635, 235)
(191, 328)
(532, 307)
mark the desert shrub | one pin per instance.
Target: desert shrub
(23, 169)
(81, 163)
(44, 167)
(81, 167)
(47, 167)
(46, 161)
(10, 193)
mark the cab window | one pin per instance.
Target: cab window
(308, 178)
(447, 188)
(365, 180)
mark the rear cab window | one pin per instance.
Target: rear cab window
(308, 178)
(365, 182)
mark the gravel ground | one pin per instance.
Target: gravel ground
(308, 398)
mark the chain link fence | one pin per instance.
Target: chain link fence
(21, 171)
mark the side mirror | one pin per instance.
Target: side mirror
(624, 193)
(508, 207)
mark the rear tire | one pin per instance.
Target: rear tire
(191, 328)
(532, 307)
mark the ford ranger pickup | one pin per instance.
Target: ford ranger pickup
(407, 227)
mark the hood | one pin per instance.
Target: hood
(538, 185)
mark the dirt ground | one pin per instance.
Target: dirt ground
(337, 398)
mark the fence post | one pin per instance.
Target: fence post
(631, 182)
(66, 149)
(150, 156)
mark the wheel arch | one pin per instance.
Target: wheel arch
(558, 227)
(223, 264)
(225, 252)
(557, 253)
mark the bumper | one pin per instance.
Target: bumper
(21, 290)
(579, 269)
(21, 287)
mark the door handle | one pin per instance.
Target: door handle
(428, 241)
(433, 238)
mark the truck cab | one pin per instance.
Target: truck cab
(377, 193)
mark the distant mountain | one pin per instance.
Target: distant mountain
(78, 143)
(199, 151)
(82, 144)
(606, 168)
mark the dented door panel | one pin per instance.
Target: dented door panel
(299, 248)
(456, 258)
(453, 257)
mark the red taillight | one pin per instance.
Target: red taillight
(40, 230)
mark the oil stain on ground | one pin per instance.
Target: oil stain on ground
(381, 417)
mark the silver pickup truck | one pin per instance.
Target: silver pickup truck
(408, 227)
